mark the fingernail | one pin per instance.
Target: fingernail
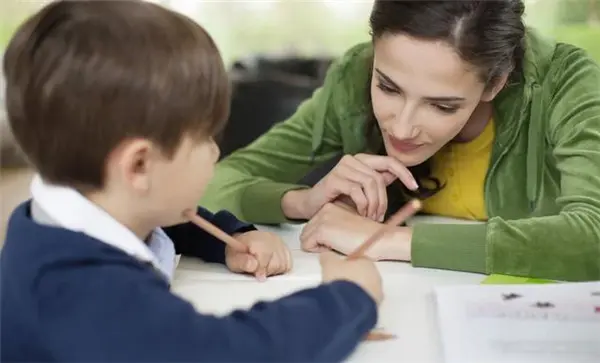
(415, 186)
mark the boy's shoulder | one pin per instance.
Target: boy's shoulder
(53, 279)
(31, 250)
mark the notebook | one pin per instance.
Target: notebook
(534, 323)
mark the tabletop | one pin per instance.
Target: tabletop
(408, 310)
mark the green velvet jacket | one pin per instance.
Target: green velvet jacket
(542, 189)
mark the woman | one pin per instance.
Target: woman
(457, 103)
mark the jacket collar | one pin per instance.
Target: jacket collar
(65, 207)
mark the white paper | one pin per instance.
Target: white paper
(520, 323)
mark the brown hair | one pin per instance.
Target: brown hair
(83, 76)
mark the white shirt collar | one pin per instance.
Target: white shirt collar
(71, 210)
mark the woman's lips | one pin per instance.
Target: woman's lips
(403, 146)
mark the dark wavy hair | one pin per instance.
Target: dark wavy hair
(489, 34)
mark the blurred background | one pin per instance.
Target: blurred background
(321, 27)
(277, 52)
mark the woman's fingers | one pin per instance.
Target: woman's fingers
(343, 184)
(375, 186)
(386, 163)
(363, 179)
(368, 183)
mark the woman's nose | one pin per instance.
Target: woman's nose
(403, 124)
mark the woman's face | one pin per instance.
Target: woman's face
(423, 95)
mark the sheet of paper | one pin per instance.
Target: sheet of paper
(409, 316)
(520, 323)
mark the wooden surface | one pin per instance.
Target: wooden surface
(14, 188)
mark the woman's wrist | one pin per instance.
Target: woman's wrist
(292, 204)
(396, 245)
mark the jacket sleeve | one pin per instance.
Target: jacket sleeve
(117, 313)
(251, 181)
(191, 240)
(565, 246)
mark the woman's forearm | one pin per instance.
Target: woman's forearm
(292, 204)
(396, 246)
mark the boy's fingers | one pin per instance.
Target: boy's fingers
(250, 264)
(276, 267)
(263, 258)
(242, 263)
(261, 274)
(289, 261)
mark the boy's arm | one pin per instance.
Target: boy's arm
(191, 240)
(122, 314)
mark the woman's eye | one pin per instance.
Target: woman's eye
(446, 108)
(386, 89)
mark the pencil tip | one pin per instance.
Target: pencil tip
(416, 204)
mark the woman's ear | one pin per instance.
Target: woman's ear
(491, 93)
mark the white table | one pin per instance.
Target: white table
(407, 311)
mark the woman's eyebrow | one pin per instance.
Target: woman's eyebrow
(386, 78)
(440, 99)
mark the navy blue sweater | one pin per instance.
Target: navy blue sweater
(69, 297)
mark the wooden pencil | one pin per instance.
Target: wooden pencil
(407, 211)
(375, 336)
(216, 232)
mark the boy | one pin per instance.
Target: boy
(115, 103)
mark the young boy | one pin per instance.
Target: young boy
(116, 103)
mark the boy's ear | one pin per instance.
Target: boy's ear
(492, 92)
(132, 163)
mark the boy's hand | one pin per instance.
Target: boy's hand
(268, 255)
(361, 271)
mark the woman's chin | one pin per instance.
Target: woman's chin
(407, 159)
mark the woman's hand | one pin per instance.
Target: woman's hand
(336, 228)
(361, 178)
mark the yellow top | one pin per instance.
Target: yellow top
(461, 168)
